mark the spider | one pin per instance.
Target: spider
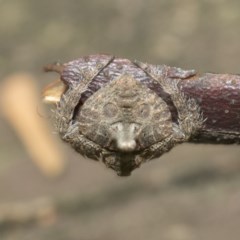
(111, 111)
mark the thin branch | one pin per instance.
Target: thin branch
(218, 96)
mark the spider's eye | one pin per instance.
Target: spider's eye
(110, 110)
(143, 111)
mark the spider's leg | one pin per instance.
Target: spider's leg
(156, 150)
(189, 115)
(70, 99)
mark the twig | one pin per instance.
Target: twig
(19, 105)
(218, 96)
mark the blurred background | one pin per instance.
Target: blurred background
(191, 193)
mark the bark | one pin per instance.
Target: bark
(218, 96)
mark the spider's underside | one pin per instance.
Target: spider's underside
(123, 122)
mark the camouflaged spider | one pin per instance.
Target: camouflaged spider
(115, 111)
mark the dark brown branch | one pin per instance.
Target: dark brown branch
(218, 96)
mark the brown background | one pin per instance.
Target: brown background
(189, 194)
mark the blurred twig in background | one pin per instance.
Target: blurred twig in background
(19, 105)
(40, 210)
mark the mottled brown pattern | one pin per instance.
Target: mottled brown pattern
(115, 68)
(218, 95)
(124, 113)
